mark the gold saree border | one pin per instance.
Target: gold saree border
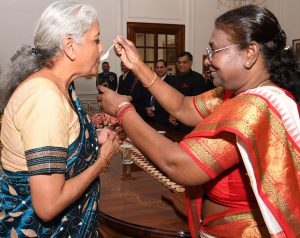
(253, 119)
(206, 102)
(234, 223)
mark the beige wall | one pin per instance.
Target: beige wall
(18, 18)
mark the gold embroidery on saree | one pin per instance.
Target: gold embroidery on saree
(277, 162)
(48, 165)
(215, 152)
(273, 166)
(46, 160)
(208, 101)
(58, 154)
(242, 224)
(203, 155)
(253, 215)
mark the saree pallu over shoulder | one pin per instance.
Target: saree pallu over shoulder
(266, 124)
(206, 103)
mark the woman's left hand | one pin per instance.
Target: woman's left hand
(104, 133)
(110, 100)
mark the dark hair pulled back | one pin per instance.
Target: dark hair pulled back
(24, 62)
(252, 23)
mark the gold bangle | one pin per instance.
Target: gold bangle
(107, 161)
(152, 81)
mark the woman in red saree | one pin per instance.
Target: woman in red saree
(240, 164)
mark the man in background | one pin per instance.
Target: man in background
(155, 111)
(126, 81)
(189, 83)
(130, 86)
(107, 78)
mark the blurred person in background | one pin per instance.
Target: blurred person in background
(106, 77)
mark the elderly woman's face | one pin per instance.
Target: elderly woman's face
(224, 65)
(89, 52)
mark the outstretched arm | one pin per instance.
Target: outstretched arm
(166, 154)
(171, 100)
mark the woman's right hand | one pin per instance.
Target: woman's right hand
(127, 51)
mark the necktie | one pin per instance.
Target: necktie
(152, 101)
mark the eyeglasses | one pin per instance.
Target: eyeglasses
(211, 52)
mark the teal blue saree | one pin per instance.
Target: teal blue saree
(80, 219)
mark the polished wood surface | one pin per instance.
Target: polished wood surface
(171, 132)
(131, 205)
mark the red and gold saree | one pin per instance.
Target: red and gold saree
(265, 122)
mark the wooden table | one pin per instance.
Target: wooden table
(131, 205)
(171, 132)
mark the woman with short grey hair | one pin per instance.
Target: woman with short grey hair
(52, 155)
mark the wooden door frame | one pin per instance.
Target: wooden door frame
(176, 29)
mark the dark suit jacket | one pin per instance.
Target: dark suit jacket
(140, 96)
(108, 79)
(191, 84)
(125, 85)
(161, 115)
(140, 99)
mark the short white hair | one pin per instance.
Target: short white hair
(62, 19)
(65, 18)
